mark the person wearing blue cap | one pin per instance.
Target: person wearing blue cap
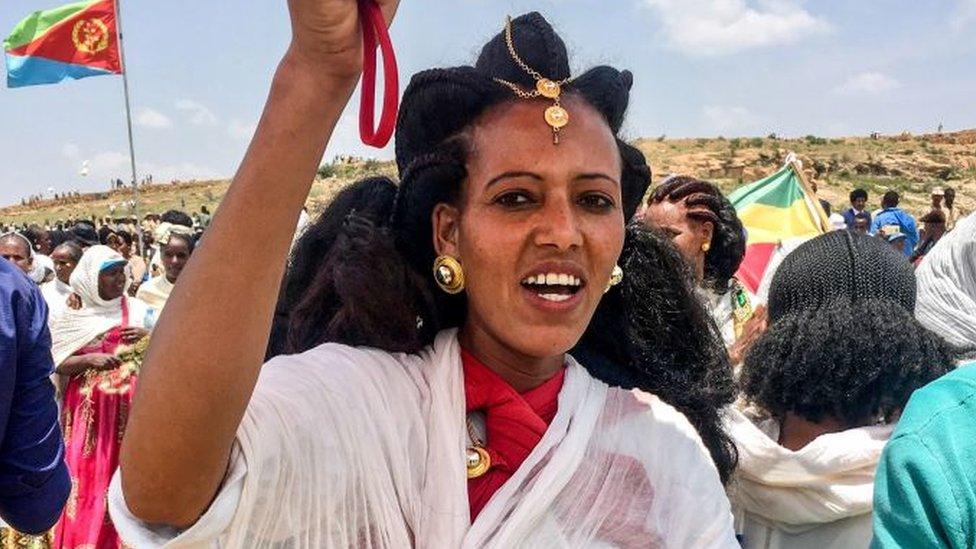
(34, 481)
(87, 344)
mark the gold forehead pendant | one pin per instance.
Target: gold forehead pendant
(555, 115)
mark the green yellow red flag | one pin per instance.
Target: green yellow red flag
(779, 213)
(72, 41)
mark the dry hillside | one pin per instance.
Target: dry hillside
(909, 164)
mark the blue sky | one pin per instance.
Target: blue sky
(199, 73)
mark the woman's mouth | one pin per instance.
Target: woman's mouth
(554, 290)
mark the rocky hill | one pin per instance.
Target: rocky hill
(909, 164)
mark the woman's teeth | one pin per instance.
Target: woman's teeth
(552, 279)
(555, 287)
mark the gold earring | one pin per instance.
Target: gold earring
(706, 246)
(616, 276)
(448, 274)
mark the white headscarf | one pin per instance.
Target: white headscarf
(946, 301)
(73, 329)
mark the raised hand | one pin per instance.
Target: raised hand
(326, 33)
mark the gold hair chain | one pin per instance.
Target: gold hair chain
(556, 116)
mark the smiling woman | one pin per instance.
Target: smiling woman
(429, 399)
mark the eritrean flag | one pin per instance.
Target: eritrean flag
(73, 41)
(779, 213)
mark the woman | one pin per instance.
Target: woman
(823, 389)
(65, 258)
(175, 249)
(470, 425)
(97, 395)
(121, 241)
(705, 228)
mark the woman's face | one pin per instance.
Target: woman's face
(111, 282)
(538, 227)
(688, 234)
(175, 255)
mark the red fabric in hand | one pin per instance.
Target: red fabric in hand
(514, 423)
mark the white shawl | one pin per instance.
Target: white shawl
(73, 329)
(946, 301)
(783, 494)
(352, 447)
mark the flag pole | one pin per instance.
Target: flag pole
(128, 121)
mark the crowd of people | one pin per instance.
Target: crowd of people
(518, 344)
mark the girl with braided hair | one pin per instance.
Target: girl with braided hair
(429, 398)
(703, 225)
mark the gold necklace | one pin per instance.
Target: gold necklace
(477, 459)
(556, 116)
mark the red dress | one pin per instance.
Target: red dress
(93, 418)
(514, 423)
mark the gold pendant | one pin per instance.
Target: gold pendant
(557, 117)
(548, 88)
(478, 461)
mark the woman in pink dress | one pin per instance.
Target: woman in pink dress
(97, 392)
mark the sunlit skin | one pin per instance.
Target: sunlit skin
(15, 250)
(689, 235)
(529, 207)
(44, 243)
(64, 264)
(859, 203)
(861, 225)
(176, 253)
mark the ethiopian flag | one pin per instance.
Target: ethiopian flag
(779, 213)
(73, 41)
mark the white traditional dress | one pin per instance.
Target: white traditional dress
(946, 301)
(356, 447)
(155, 292)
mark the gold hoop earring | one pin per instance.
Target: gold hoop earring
(448, 274)
(616, 276)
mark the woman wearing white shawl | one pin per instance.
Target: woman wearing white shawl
(823, 387)
(947, 286)
(85, 343)
(176, 244)
(353, 446)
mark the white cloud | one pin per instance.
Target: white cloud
(720, 27)
(150, 118)
(197, 113)
(241, 131)
(183, 171)
(110, 161)
(721, 118)
(867, 83)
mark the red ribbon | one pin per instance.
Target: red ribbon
(375, 34)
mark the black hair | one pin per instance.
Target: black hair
(176, 217)
(890, 199)
(843, 341)
(72, 247)
(360, 274)
(706, 203)
(187, 238)
(863, 215)
(653, 333)
(33, 234)
(858, 193)
(126, 236)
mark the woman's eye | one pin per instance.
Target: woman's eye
(513, 199)
(596, 201)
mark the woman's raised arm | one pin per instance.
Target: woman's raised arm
(208, 347)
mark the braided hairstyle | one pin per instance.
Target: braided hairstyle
(843, 341)
(360, 274)
(706, 204)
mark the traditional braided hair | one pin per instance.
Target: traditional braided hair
(707, 204)
(843, 341)
(360, 275)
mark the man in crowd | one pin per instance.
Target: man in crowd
(15, 248)
(34, 482)
(891, 214)
(934, 227)
(859, 199)
(953, 213)
(937, 195)
(862, 222)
